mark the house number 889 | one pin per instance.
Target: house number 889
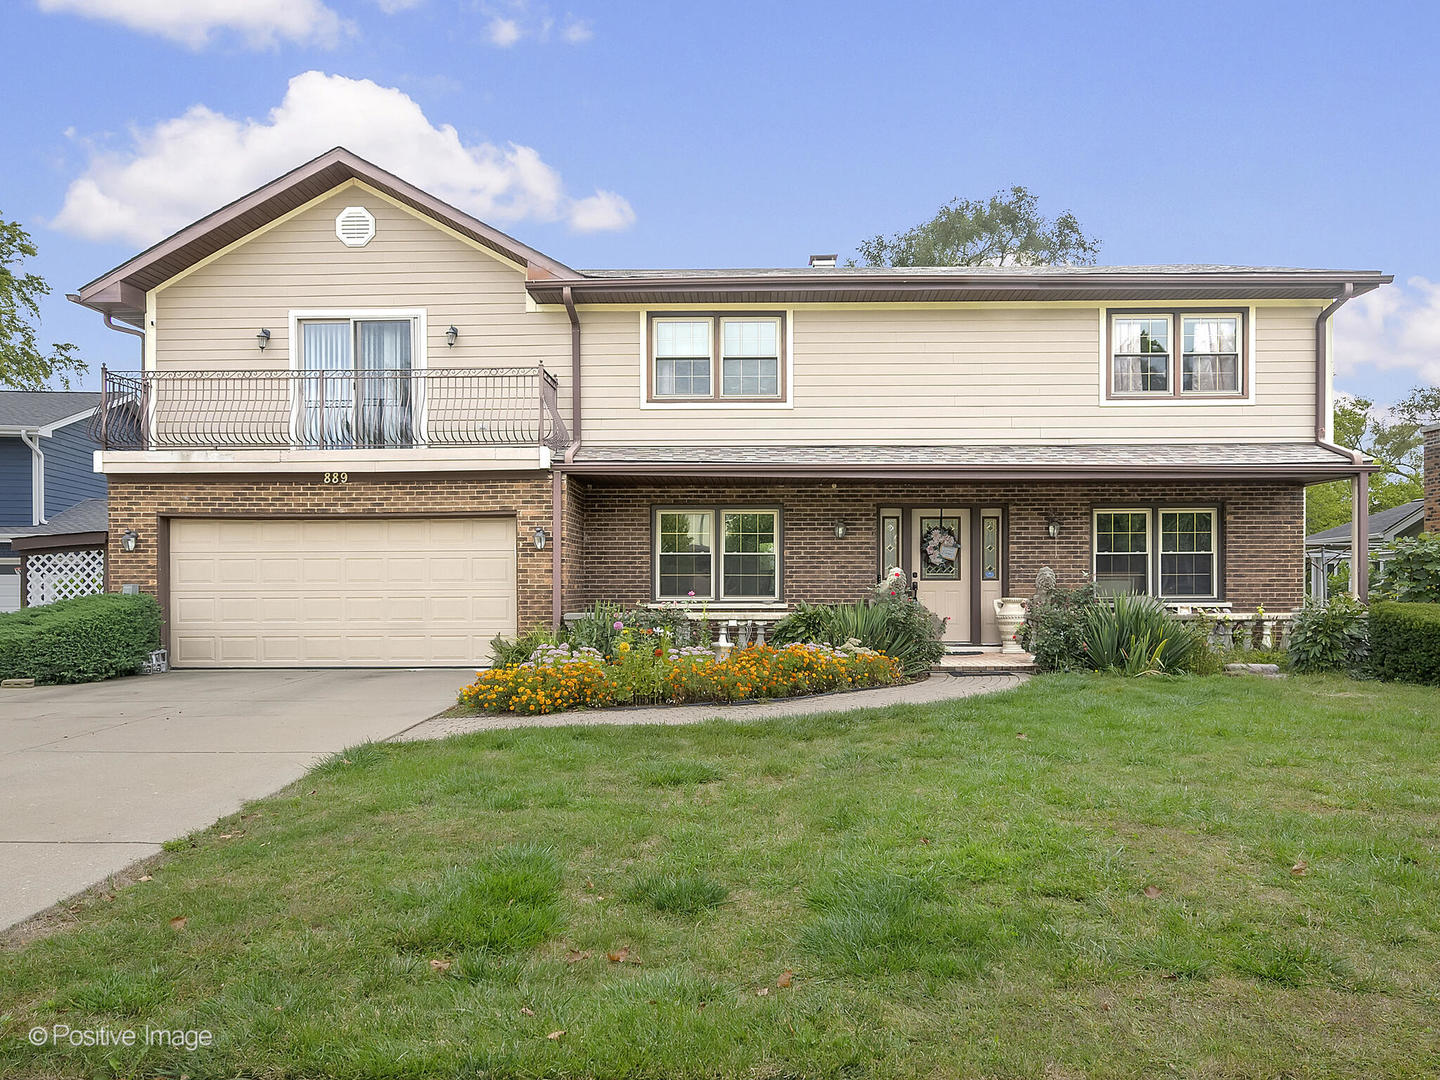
(337, 478)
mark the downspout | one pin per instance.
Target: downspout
(569, 300)
(1322, 363)
(558, 487)
(37, 476)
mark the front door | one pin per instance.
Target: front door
(940, 559)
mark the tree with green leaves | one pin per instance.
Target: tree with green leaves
(1394, 441)
(1007, 229)
(23, 366)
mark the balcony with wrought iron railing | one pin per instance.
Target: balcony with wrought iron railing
(329, 410)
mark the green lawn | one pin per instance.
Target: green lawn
(959, 890)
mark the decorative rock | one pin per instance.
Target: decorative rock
(1271, 671)
(17, 684)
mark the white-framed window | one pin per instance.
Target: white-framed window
(716, 553)
(356, 386)
(1189, 552)
(683, 366)
(1179, 353)
(1170, 552)
(1122, 551)
(716, 357)
(1210, 354)
(1140, 351)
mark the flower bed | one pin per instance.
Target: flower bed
(649, 671)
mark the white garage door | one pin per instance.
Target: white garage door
(301, 592)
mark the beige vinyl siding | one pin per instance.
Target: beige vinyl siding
(997, 374)
(208, 319)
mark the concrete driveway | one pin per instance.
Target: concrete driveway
(95, 777)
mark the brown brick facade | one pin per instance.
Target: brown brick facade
(141, 504)
(605, 526)
(1432, 479)
(1262, 534)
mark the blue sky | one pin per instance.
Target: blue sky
(739, 134)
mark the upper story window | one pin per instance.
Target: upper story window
(717, 357)
(1143, 361)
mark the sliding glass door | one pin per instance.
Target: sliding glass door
(357, 383)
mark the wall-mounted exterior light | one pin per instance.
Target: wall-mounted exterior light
(262, 339)
(128, 539)
(1052, 528)
(451, 335)
(841, 529)
(539, 538)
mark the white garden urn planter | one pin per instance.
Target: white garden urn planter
(1010, 616)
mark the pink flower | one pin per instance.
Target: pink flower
(619, 625)
(692, 592)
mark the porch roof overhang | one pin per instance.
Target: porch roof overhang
(1174, 284)
(1308, 462)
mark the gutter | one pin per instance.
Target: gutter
(37, 476)
(110, 324)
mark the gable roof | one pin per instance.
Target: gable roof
(121, 292)
(1384, 525)
(86, 516)
(42, 408)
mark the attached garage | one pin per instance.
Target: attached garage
(307, 592)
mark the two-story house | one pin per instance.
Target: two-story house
(46, 468)
(371, 429)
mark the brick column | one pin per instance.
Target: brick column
(1432, 479)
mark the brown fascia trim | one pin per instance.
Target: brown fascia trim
(56, 541)
(1106, 286)
(97, 293)
(1312, 473)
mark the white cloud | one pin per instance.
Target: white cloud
(183, 168)
(604, 211)
(1392, 328)
(503, 32)
(577, 31)
(260, 23)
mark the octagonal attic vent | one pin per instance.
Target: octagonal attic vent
(355, 226)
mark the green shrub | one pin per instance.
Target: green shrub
(504, 652)
(80, 640)
(1405, 641)
(898, 626)
(1137, 635)
(1329, 637)
(596, 629)
(1054, 630)
(1412, 574)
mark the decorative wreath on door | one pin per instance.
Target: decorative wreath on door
(933, 542)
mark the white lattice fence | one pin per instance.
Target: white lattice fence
(61, 575)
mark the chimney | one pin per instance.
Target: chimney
(823, 262)
(1432, 479)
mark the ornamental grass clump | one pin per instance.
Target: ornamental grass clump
(1137, 635)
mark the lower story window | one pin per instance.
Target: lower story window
(1122, 551)
(748, 546)
(1183, 566)
(1187, 553)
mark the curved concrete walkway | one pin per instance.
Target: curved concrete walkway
(935, 688)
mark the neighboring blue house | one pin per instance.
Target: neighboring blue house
(46, 467)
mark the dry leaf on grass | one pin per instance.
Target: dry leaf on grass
(574, 956)
(619, 955)
(1301, 868)
(786, 978)
(144, 877)
(1022, 736)
(439, 963)
(178, 922)
(1152, 891)
(525, 1010)
(556, 1034)
(763, 991)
